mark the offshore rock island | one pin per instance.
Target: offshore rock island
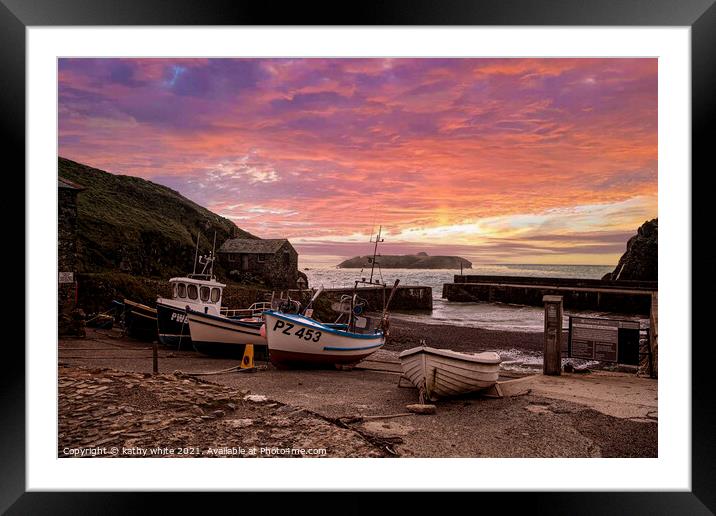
(408, 261)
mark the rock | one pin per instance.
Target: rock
(255, 398)
(571, 368)
(239, 423)
(640, 261)
(409, 261)
(417, 408)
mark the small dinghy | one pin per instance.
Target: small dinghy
(140, 321)
(440, 373)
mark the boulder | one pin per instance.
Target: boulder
(640, 261)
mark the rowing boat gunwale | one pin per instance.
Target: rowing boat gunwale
(485, 357)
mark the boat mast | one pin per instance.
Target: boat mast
(375, 252)
(213, 247)
(196, 254)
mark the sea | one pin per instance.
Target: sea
(493, 316)
(498, 316)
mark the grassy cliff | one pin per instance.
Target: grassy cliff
(138, 227)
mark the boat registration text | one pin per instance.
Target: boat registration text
(302, 333)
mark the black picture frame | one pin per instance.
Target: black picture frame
(700, 15)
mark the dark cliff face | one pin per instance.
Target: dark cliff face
(640, 261)
(132, 225)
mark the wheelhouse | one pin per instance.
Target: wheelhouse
(197, 291)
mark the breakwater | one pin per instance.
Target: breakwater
(627, 297)
(406, 298)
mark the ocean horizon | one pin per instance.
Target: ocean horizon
(493, 316)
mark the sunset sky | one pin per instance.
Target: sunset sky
(496, 160)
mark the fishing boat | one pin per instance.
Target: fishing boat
(198, 292)
(229, 334)
(294, 339)
(299, 340)
(440, 373)
(216, 329)
(140, 321)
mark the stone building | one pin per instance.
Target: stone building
(271, 261)
(66, 251)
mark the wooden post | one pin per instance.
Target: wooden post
(155, 357)
(654, 334)
(552, 335)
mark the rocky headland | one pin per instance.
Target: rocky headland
(641, 259)
(408, 261)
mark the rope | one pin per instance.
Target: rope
(222, 371)
(101, 313)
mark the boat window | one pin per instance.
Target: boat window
(215, 294)
(204, 292)
(192, 291)
(181, 290)
(174, 290)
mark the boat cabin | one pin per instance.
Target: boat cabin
(198, 291)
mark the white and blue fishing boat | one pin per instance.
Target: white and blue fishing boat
(299, 340)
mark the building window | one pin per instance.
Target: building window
(262, 258)
(232, 257)
(204, 292)
(192, 291)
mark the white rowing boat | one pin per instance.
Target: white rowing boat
(440, 373)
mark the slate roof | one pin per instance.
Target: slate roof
(252, 246)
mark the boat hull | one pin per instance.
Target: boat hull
(140, 320)
(443, 373)
(297, 341)
(173, 326)
(218, 335)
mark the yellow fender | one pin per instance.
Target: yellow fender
(247, 362)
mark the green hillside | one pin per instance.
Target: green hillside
(132, 225)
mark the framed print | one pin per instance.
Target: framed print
(418, 243)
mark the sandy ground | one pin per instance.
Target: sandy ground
(601, 414)
(405, 335)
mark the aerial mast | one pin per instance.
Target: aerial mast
(196, 254)
(375, 252)
(213, 247)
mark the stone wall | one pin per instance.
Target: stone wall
(406, 299)
(66, 229)
(98, 290)
(67, 259)
(532, 295)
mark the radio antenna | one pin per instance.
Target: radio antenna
(211, 272)
(375, 252)
(196, 254)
